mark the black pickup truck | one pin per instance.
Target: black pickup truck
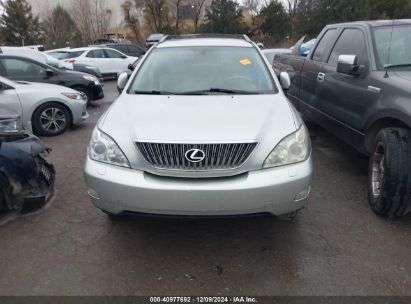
(356, 83)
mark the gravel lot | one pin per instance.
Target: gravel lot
(337, 246)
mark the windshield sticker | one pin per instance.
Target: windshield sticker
(245, 61)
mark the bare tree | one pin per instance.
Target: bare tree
(92, 18)
(253, 7)
(131, 17)
(177, 5)
(197, 6)
(292, 9)
(156, 14)
(59, 28)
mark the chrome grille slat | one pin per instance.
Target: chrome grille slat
(217, 156)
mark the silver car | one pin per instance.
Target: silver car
(46, 109)
(202, 127)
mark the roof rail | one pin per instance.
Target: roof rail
(193, 36)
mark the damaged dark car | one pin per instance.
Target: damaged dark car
(26, 178)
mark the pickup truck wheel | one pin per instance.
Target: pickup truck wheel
(51, 119)
(389, 186)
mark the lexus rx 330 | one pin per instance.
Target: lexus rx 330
(202, 127)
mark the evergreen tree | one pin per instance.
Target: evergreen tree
(274, 21)
(224, 16)
(18, 26)
(60, 30)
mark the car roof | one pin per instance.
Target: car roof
(276, 50)
(375, 23)
(193, 40)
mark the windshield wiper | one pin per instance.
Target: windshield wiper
(388, 66)
(218, 90)
(154, 92)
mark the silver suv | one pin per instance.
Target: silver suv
(202, 127)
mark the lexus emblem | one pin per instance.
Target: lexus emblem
(195, 155)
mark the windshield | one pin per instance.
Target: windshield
(400, 53)
(155, 37)
(199, 69)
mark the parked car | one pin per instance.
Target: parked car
(356, 82)
(84, 68)
(200, 134)
(306, 47)
(127, 48)
(26, 178)
(38, 47)
(153, 39)
(270, 53)
(111, 38)
(109, 61)
(47, 109)
(35, 55)
(24, 69)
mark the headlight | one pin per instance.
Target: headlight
(91, 67)
(92, 78)
(294, 148)
(103, 149)
(74, 96)
(12, 125)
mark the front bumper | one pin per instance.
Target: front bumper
(97, 91)
(79, 112)
(42, 188)
(117, 190)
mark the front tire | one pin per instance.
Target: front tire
(51, 119)
(389, 178)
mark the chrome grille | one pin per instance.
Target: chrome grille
(217, 156)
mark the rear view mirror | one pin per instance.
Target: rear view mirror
(122, 81)
(348, 64)
(285, 80)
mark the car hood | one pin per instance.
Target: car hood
(41, 87)
(265, 119)
(406, 75)
(197, 118)
(73, 73)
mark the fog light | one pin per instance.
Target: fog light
(302, 195)
(93, 194)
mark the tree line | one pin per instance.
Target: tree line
(274, 22)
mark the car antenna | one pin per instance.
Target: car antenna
(389, 51)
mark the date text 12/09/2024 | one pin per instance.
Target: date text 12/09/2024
(240, 299)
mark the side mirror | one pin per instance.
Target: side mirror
(124, 56)
(122, 81)
(285, 81)
(348, 64)
(49, 73)
(130, 67)
(4, 87)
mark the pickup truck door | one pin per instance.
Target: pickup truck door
(346, 98)
(312, 76)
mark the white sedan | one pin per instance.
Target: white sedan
(46, 108)
(109, 61)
